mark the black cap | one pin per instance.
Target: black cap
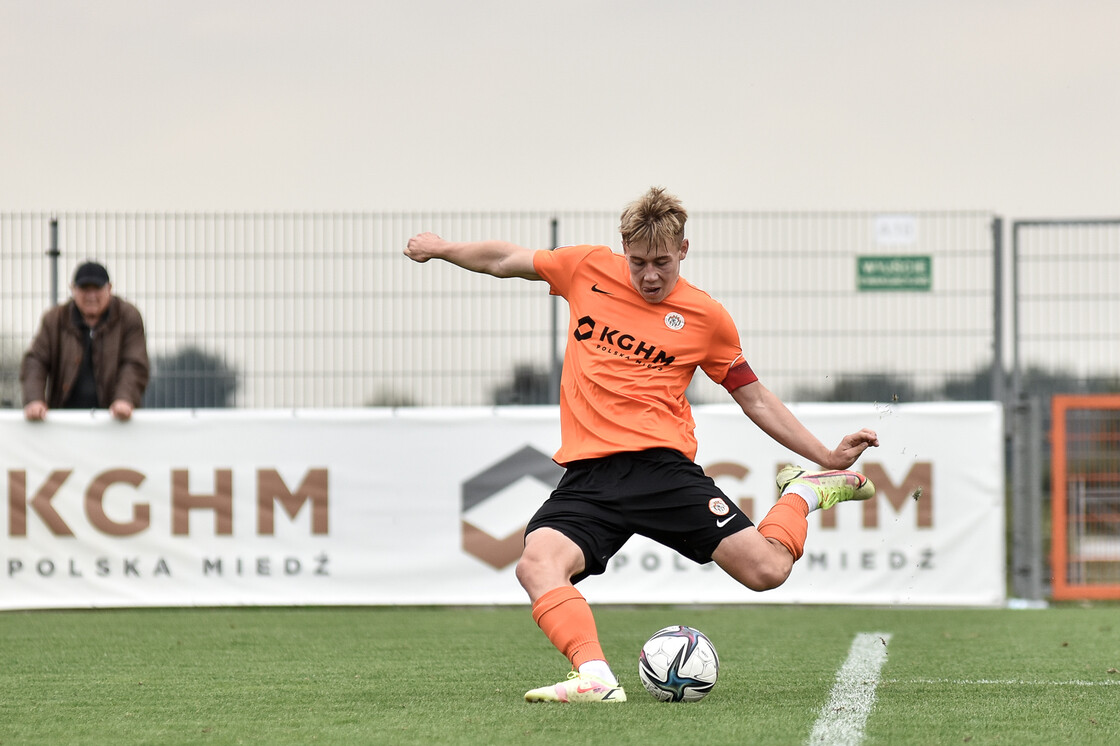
(91, 273)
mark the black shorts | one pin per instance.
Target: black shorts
(600, 503)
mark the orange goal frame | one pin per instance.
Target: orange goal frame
(1062, 588)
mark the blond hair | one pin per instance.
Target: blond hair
(656, 218)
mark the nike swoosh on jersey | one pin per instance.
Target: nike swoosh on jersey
(725, 521)
(596, 289)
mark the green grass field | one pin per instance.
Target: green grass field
(456, 676)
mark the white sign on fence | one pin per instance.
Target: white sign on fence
(427, 507)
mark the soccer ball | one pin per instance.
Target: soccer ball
(678, 664)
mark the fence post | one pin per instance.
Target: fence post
(1026, 499)
(54, 253)
(554, 366)
(998, 393)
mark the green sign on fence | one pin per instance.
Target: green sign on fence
(895, 273)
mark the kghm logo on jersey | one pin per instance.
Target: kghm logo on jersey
(674, 321)
(621, 343)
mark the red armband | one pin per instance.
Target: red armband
(739, 375)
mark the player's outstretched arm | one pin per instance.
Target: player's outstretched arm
(497, 258)
(773, 417)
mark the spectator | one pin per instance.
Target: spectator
(89, 353)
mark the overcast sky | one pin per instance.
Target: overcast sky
(190, 105)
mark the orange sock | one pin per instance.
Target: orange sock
(786, 523)
(565, 617)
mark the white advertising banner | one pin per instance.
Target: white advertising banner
(426, 506)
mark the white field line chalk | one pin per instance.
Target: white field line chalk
(842, 720)
(1005, 682)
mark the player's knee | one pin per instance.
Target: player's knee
(524, 571)
(757, 563)
(539, 572)
(762, 574)
(768, 576)
(531, 572)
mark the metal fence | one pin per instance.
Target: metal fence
(1066, 334)
(1067, 304)
(323, 310)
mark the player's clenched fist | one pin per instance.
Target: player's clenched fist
(423, 247)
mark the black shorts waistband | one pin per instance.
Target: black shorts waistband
(658, 453)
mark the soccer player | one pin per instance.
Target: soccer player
(638, 331)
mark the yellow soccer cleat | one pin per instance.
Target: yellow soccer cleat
(831, 487)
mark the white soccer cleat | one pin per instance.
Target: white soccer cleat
(577, 688)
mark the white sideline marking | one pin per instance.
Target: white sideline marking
(1005, 682)
(842, 719)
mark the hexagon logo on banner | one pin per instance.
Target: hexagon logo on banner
(498, 502)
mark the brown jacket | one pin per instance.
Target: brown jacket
(120, 357)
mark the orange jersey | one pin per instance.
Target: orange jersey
(628, 362)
